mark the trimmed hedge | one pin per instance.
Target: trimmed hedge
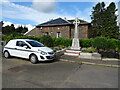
(86, 43)
(62, 41)
(46, 40)
(105, 43)
(98, 42)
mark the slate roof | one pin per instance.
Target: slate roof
(81, 21)
(60, 21)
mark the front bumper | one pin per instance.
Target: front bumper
(46, 57)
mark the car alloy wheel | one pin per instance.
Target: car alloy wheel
(33, 59)
(6, 54)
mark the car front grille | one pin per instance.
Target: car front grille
(51, 53)
(49, 57)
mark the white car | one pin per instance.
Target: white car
(29, 49)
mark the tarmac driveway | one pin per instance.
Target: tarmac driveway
(19, 73)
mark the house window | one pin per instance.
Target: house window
(58, 34)
(45, 33)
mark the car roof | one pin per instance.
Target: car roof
(22, 39)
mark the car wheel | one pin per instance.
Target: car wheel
(33, 59)
(6, 54)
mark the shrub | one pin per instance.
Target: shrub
(111, 44)
(99, 42)
(90, 49)
(118, 46)
(85, 43)
(58, 41)
(62, 41)
(67, 42)
(46, 40)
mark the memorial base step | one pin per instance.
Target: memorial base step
(72, 52)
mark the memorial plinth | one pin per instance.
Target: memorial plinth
(75, 48)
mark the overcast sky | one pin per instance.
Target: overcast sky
(34, 12)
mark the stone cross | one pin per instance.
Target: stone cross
(76, 23)
(75, 41)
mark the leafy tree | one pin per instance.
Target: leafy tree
(6, 29)
(111, 22)
(97, 19)
(12, 28)
(104, 21)
(19, 29)
(25, 29)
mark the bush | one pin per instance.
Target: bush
(46, 40)
(111, 44)
(106, 44)
(62, 41)
(90, 50)
(99, 42)
(118, 46)
(86, 43)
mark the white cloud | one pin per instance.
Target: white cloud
(6, 23)
(15, 11)
(44, 6)
(30, 27)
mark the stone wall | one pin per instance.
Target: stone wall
(52, 31)
(83, 30)
(66, 31)
(34, 32)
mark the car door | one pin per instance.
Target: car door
(22, 51)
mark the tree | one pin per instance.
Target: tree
(19, 29)
(6, 29)
(97, 19)
(104, 21)
(12, 28)
(25, 29)
(112, 30)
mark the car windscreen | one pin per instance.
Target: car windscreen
(35, 44)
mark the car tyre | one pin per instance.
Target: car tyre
(6, 54)
(33, 59)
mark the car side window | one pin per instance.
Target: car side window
(20, 43)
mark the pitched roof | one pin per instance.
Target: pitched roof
(60, 21)
(81, 21)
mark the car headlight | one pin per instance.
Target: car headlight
(42, 52)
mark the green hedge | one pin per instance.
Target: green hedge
(86, 43)
(46, 40)
(105, 43)
(62, 41)
(98, 42)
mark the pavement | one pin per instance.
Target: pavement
(107, 62)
